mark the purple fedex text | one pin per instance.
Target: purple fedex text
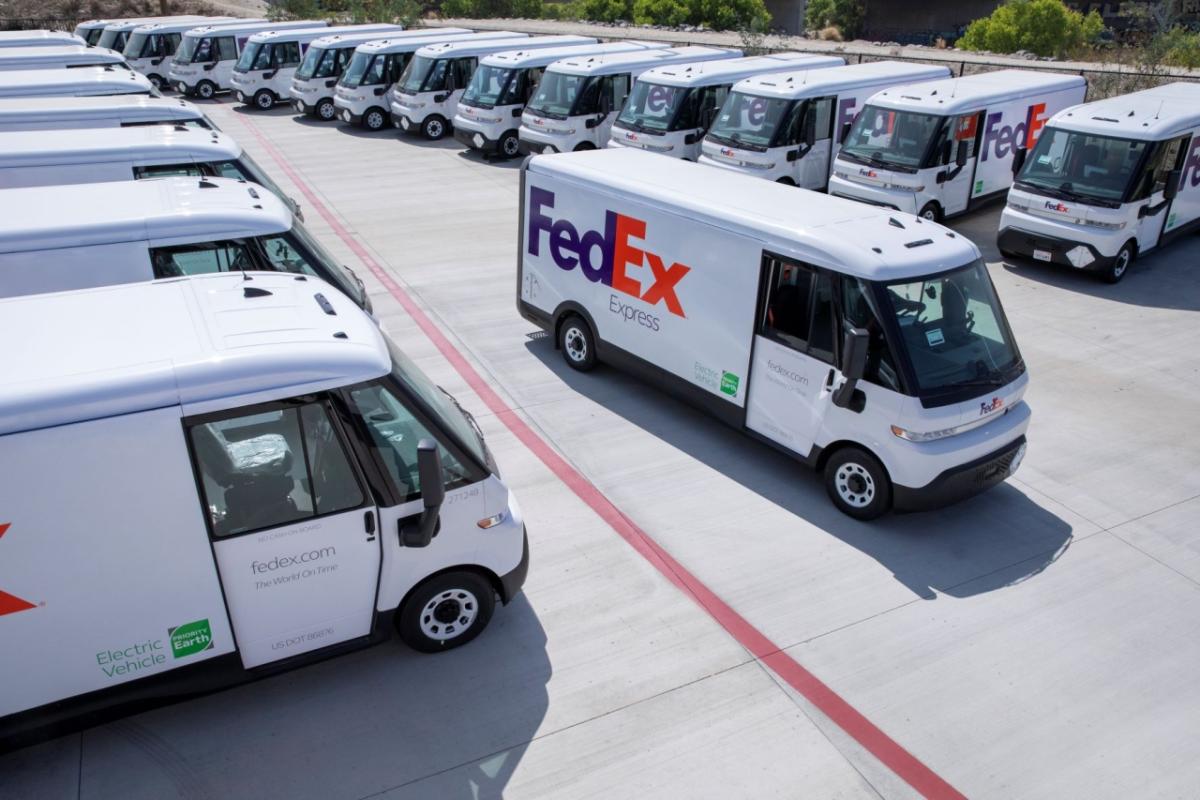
(1191, 167)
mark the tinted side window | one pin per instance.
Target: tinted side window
(200, 259)
(226, 49)
(798, 310)
(286, 54)
(170, 43)
(166, 170)
(857, 312)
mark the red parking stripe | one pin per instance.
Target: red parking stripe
(903, 763)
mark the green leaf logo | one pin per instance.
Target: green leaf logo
(192, 638)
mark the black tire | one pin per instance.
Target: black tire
(205, 90)
(374, 119)
(858, 484)
(509, 145)
(931, 212)
(434, 127)
(577, 343)
(156, 81)
(584, 146)
(325, 110)
(264, 99)
(1115, 271)
(786, 181)
(446, 611)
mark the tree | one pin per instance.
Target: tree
(845, 15)
(1044, 27)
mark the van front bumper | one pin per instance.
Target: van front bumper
(1052, 249)
(512, 581)
(966, 480)
(476, 140)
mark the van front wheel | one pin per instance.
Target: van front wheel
(931, 211)
(577, 343)
(446, 611)
(858, 484)
(205, 90)
(1115, 271)
(434, 127)
(374, 119)
(264, 99)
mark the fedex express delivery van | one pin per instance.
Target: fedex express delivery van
(1108, 181)
(204, 62)
(197, 495)
(785, 127)
(81, 82)
(150, 49)
(867, 343)
(104, 111)
(942, 148)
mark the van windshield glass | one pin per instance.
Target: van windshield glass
(357, 69)
(652, 107)
(135, 45)
(954, 332)
(487, 86)
(92, 37)
(1081, 166)
(421, 73)
(112, 39)
(195, 50)
(247, 168)
(257, 55)
(316, 58)
(284, 255)
(885, 137)
(556, 94)
(749, 121)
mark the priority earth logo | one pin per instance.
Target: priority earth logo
(194, 637)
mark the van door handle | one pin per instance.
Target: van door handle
(369, 525)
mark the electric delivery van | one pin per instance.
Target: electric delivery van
(62, 56)
(670, 108)
(489, 111)
(116, 33)
(203, 64)
(39, 38)
(425, 98)
(111, 111)
(312, 88)
(197, 494)
(361, 97)
(51, 158)
(263, 73)
(1108, 181)
(942, 148)
(578, 98)
(865, 342)
(785, 127)
(56, 238)
(89, 31)
(150, 49)
(81, 82)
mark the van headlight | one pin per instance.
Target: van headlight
(1104, 226)
(411, 104)
(927, 436)
(1016, 204)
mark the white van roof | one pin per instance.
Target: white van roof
(862, 240)
(18, 57)
(80, 81)
(97, 145)
(251, 28)
(624, 62)
(523, 59)
(340, 40)
(38, 38)
(17, 110)
(974, 92)
(794, 85)
(472, 48)
(1153, 114)
(89, 214)
(732, 70)
(411, 41)
(134, 22)
(181, 27)
(97, 353)
(316, 32)
(91, 24)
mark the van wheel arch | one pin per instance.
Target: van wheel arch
(931, 211)
(786, 181)
(566, 310)
(492, 578)
(584, 146)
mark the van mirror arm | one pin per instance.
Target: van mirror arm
(1018, 160)
(854, 365)
(419, 530)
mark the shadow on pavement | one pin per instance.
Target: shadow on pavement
(994, 540)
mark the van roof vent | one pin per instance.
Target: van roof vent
(877, 250)
(895, 223)
(207, 184)
(325, 305)
(918, 243)
(340, 335)
(252, 192)
(254, 291)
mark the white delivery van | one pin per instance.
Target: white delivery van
(670, 108)
(1108, 181)
(578, 98)
(116, 32)
(93, 155)
(58, 238)
(203, 63)
(81, 82)
(38, 38)
(61, 56)
(150, 49)
(425, 98)
(362, 91)
(867, 343)
(326, 59)
(105, 111)
(90, 30)
(785, 127)
(943, 148)
(263, 73)
(231, 496)
(489, 111)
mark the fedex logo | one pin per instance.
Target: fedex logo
(1191, 167)
(995, 404)
(868, 173)
(1006, 139)
(1053, 206)
(617, 253)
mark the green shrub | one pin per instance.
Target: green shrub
(845, 15)
(1181, 48)
(462, 9)
(725, 15)
(661, 12)
(606, 10)
(1044, 27)
(527, 9)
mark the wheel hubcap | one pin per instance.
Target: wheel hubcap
(511, 146)
(374, 120)
(1122, 263)
(325, 110)
(576, 344)
(855, 486)
(434, 129)
(265, 101)
(449, 614)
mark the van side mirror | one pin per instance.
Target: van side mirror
(1018, 161)
(1174, 177)
(960, 157)
(845, 133)
(854, 364)
(420, 533)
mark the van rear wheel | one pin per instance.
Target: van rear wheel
(446, 611)
(577, 343)
(858, 484)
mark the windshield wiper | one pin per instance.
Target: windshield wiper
(548, 114)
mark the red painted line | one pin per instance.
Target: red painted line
(903, 763)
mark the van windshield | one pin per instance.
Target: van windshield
(112, 39)
(423, 74)
(488, 85)
(556, 95)
(749, 121)
(888, 138)
(92, 36)
(246, 168)
(652, 107)
(1082, 166)
(195, 50)
(133, 48)
(321, 62)
(257, 55)
(335, 272)
(954, 332)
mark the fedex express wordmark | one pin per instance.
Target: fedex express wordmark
(617, 252)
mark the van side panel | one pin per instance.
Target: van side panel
(1185, 208)
(61, 269)
(106, 573)
(644, 274)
